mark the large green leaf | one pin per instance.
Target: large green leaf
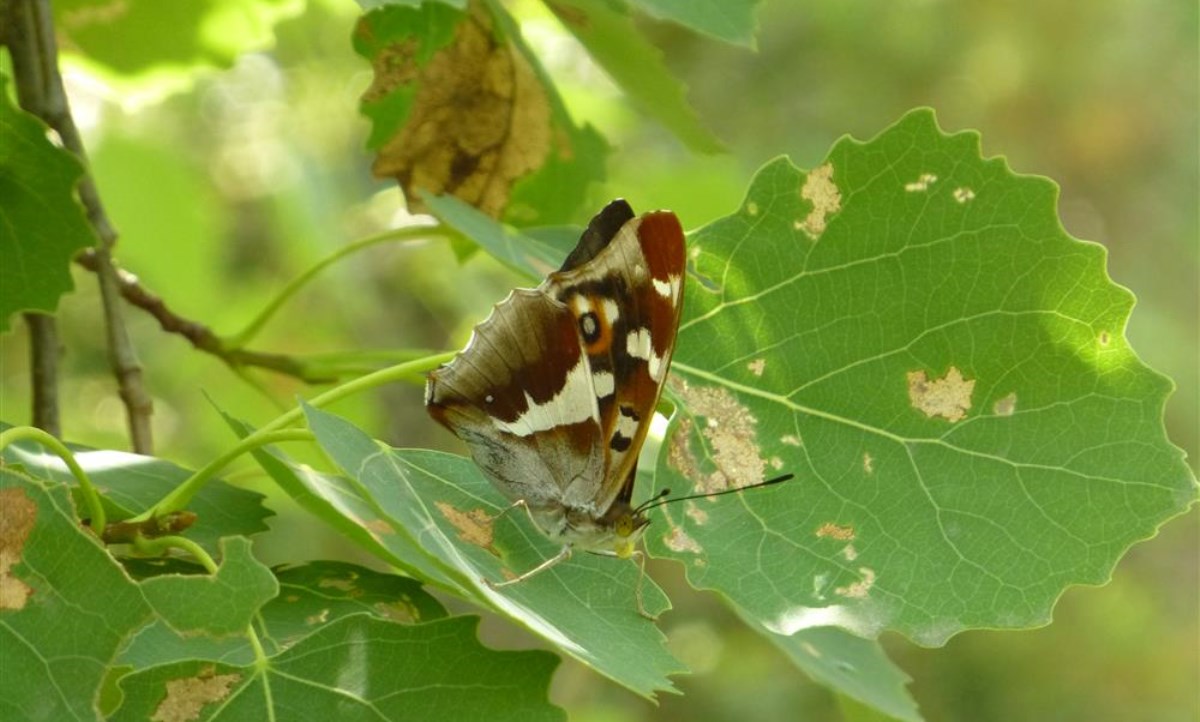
(355, 668)
(65, 605)
(585, 606)
(130, 484)
(910, 331)
(42, 226)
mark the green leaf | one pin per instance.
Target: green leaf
(218, 604)
(910, 331)
(130, 484)
(729, 20)
(65, 605)
(533, 252)
(347, 506)
(611, 38)
(585, 606)
(42, 226)
(310, 596)
(356, 668)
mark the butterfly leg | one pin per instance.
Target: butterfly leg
(637, 592)
(562, 555)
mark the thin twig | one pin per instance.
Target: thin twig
(43, 365)
(38, 56)
(200, 336)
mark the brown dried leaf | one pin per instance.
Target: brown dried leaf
(480, 120)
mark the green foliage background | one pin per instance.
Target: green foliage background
(225, 189)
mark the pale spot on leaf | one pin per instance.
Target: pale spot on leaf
(830, 530)
(17, 515)
(868, 463)
(964, 195)
(1006, 406)
(1104, 339)
(849, 553)
(187, 697)
(776, 463)
(343, 585)
(861, 588)
(756, 366)
(729, 437)
(790, 440)
(921, 184)
(319, 618)
(752, 208)
(695, 513)
(825, 197)
(948, 397)
(474, 527)
(379, 526)
(677, 540)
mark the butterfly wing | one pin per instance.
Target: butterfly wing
(626, 300)
(554, 393)
(520, 396)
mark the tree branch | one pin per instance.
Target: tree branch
(43, 366)
(200, 336)
(18, 35)
(35, 56)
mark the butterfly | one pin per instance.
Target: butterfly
(555, 390)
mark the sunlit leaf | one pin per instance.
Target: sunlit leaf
(42, 226)
(909, 330)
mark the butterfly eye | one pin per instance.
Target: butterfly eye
(589, 326)
(624, 526)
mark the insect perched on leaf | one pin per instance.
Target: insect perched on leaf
(555, 391)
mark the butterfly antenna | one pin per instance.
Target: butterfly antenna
(660, 498)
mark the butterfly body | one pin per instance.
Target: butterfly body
(554, 392)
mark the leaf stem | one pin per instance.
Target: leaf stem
(277, 431)
(91, 497)
(182, 494)
(154, 547)
(412, 233)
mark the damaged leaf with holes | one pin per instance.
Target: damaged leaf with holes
(909, 330)
(65, 605)
(459, 107)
